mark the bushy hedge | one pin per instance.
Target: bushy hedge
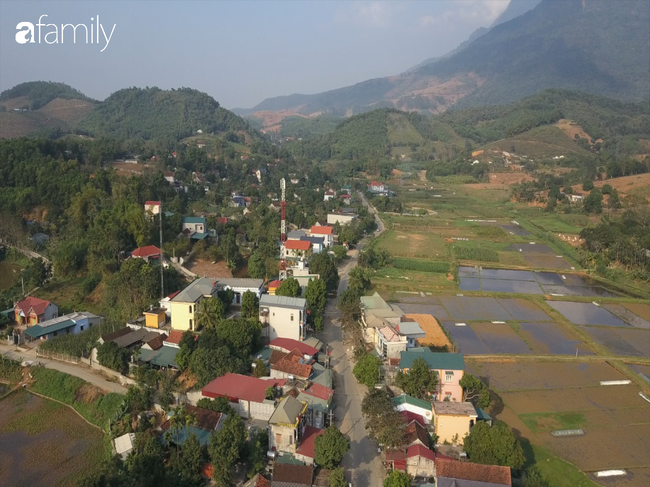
(473, 253)
(420, 265)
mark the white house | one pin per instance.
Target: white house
(417, 406)
(69, 324)
(195, 224)
(240, 286)
(329, 195)
(152, 208)
(326, 232)
(295, 249)
(317, 243)
(284, 317)
(342, 218)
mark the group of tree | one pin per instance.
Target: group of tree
(383, 422)
(419, 380)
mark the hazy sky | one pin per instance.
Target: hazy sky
(238, 52)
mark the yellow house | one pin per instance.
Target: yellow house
(154, 318)
(185, 304)
(453, 420)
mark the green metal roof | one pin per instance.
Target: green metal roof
(436, 360)
(288, 459)
(413, 401)
(165, 356)
(37, 331)
(199, 236)
(7, 312)
(482, 415)
(194, 219)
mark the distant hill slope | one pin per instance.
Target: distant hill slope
(36, 94)
(597, 46)
(152, 113)
(543, 125)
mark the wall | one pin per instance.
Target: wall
(333, 218)
(181, 315)
(426, 415)
(287, 438)
(281, 325)
(420, 467)
(261, 410)
(452, 387)
(448, 425)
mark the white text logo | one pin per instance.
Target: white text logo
(55, 34)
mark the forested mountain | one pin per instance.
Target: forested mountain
(36, 94)
(597, 46)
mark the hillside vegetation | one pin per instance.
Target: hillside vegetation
(39, 93)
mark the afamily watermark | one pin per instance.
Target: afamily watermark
(89, 34)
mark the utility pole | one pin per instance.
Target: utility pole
(162, 257)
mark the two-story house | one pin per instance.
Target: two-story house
(326, 232)
(295, 249)
(152, 208)
(31, 311)
(450, 368)
(283, 316)
(185, 305)
(286, 425)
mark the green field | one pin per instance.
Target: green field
(408, 244)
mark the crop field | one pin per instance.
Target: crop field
(552, 339)
(629, 342)
(548, 396)
(37, 451)
(395, 280)
(406, 244)
(587, 314)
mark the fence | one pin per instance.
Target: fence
(61, 357)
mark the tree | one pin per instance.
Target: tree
(494, 445)
(260, 369)
(330, 448)
(367, 370)
(323, 265)
(316, 295)
(250, 305)
(225, 448)
(289, 287)
(534, 478)
(594, 202)
(337, 478)
(256, 266)
(397, 479)
(475, 391)
(614, 202)
(419, 380)
(588, 185)
(207, 364)
(340, 252)
(186, 347)
(241, 337)
(191, 462)
(211, 312)
(257, 447)
(114, 357)
(382, 421)
(607, 189)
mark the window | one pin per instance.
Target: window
(291, 316)
(278, 439)
(190, 308)
(190, 324)
(81, 328)
(449, 376)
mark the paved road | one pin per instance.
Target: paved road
(363, 460)
(80, 371)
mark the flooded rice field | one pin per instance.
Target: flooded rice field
(540, 255)
(629, 342)
(529, 282)
(587, 314)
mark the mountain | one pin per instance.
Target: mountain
(56, 109)
(597, 46)
(152, 113)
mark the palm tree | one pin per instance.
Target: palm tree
(210, 312)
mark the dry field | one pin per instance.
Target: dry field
(206, 268)
(501, 180)
(435, 335)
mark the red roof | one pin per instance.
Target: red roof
(416, 432)
(473, 471)
(173, 295)
(288, 344)
(236, 386)
(307, 443)
(275, 284)
(398, 457)
(38, 305)
(293, 363)
(322, 230)
(174, 337)
(420, 451)
(222, 219)
(152, 203)
(148, 251)
(410, 417)
(319, 391)
(375, 183)
(297, 245)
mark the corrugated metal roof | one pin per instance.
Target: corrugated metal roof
(37, 331)
(197, 289)
(437, 361)
(283, 302)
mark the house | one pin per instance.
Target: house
(346, 189)
(285, 425)
(317, 243)
(148, 253)
(329, 194)
(450, 368)
(346, 199)
(376, 187)
(390, 343)
(416, 406)
(296, 235)
(273, 286)
(470, 474)
(154, 317)
(256, 481)
(284, 316)
(170, 177)
(241, 285)
(306, 450)
(420, 461)
(238, 201)
(416, 434)
(40, 239)
(127, 338)
(295, 249)
(69, 324)
(453, 420)
(291, 365)
(200, 144)
(319, 403)
(185, 304)
(173, 339)
(207, 421)
(342, 218)
(247, 395)
(31, 311)
(326, 232)
(123, 445)
(576, 197)
(152, 208)
(411, 331)
(286, 475)
(194, 224)
(157, 353)
(198, 178)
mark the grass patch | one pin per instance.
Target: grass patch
(553, 421)
(420, 265)
(10, 370)
(475, 253)
(512, 259)
(96, 408)
(558, 472)
(407, 244)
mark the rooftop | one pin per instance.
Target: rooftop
(414, 432)
(307, 443)
(291, 363)
(455, 408)
(203, 286)
(297, 234)
(135, 336)
(313, 240)
(116, 334)
(283, 302)
(285, 475)
(297, 245)
(30, 302)
(373, 302)
(240, 282)
(321, 230)
(288, 411)
(419, 451)
(405, 399)
(38, 331)
(194, 219)
(164, 356)
(435, 360)
(410, 328)
(473, 471)
(152, 203)
(410, 417)
(236, 386)
(288, 344)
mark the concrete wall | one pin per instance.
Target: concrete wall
(427, 415)
(333, 218)
(452, 387)
(447, 426)
(281, 323)
(420, 467)
(283, 438)
(261, 410)
(183, 315)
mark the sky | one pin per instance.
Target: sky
(239, 52)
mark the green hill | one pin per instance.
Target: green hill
(36, 94)
(152, 113)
